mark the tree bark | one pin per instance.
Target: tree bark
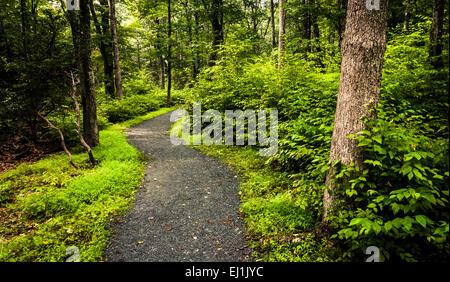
(87, 77)
(118, 80)
(406, 16)
(281, 33)
(24, 24)
(169, 53)
(216, 17)
(363, 51)
(108, 68)
(78, 122)
(272, 21)
(342, 5)
(436, 34)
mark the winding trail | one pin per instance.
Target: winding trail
(186, 208)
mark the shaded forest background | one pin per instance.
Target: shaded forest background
(134, 57)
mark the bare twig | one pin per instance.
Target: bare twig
(78, 122)
(63, 143)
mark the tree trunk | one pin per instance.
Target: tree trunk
(281, 33)
(217, 27)
(78, 122)
(363, 51)
(24, 24)
(197, 51)
(87, 77)
(118, 80)
(436, 34)
(272, 21)
(169, 54)
(108, 69)
(341, 23)
(406, 16)
(307, 22)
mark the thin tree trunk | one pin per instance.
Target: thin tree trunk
(197, 52)
(307, 23)
(118, 80)
(23, 16)
(169, 55)
(406, 16)
(281, 33)
(342, 5)
(363, 51)
(272, 21)
(87, 77)
(436, 34)
(107, 56)
(78, 122)
(107, 40)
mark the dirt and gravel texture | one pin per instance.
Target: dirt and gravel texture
(186, 209)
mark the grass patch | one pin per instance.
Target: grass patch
(49, 206)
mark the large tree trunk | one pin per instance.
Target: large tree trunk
(363, 51)
(87, 77)
(436, 34)
(272, 21)
(118, 80)
(105, 51)
(281, 32)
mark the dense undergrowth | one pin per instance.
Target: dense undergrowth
(398, 201)
(49, 206)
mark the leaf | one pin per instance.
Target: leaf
(418, 174)
(378, 139)
(422, 220)
(356, 221)
(388, 226)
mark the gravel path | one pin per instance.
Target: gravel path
(186, 209)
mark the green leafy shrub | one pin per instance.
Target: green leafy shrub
(47, 205)
(400, 199)
(53, 205)
(129, 107)
(137, 83)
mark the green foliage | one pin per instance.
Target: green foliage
(299, 248)
(137, 83)
(129, 107)
(400, 199)
(52, 205)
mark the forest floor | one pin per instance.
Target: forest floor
(17, 150)
(187, 208)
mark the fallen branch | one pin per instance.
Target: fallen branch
(63, 143)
